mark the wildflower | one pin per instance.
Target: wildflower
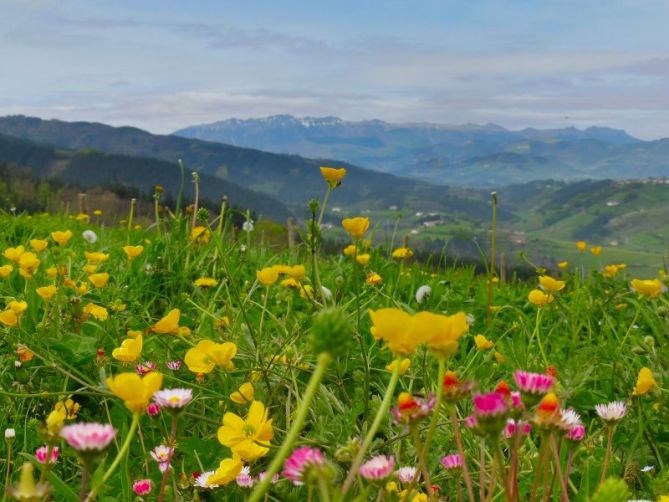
(173, 398)
(173, 365)
(135, 391)
(263, 474)
(163, 455)
(374, 279)
(611, 412)
(200, 235)
(423, 293)
(247, 226)
(145, 368)
(9, 318)
(206, 282)
(142, 487)
(547, 283)
(596, 250)
(563, 264)
(202, 481)
(404, 365)
(363, 259)
(394, 326)
(152, 409)
(90, 236)
(168, 324)
(243, 395)
(378, 468)
(575, 433)
(133, 252)
(482, 343)
(410, 409)
(85, 437)
(406, 474)
(300, 461)
(62, 238)
(10, 434)
(207, 354)
(97, 311)
(648, 287)
(290, 283)
(539, 298)
(350, 250)
(13, 254)
(356, 227)
(227, 471)
(5, 270)
(95, 257)
(489, 405)
(244, 478)
(569, 418)
(99, 280)
(441, 332)
(581, 245)
(644, 382)
(97, 212)
(129, 351)
(610, 270)
(513, 426)
(42, 452)
(68, 408)
(26, 489)
(453, 461)
(453, 389)
(248, 438)
(402, 253)
(267, 276)
(333, 176)
(28, 264)
(39, 245)
(499, 357)
(533, 383)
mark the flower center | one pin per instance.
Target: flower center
(248, 430)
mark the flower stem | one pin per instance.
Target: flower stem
(119, 456)
(558, 469)
(539, 468)
(421, 459)
(607, 458)
(458, 443)
(84, 482)
(437, 404)
(173, 437)
(324, 360)
(500, 467)
(380, 414)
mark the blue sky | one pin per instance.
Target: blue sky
(162, 65)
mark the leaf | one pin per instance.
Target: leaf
(61, 490)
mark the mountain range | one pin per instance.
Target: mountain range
(467, 155)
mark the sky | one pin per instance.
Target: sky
(163, 65)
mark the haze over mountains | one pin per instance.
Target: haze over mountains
(471, 155)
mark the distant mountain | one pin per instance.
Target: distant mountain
(92, 168)
(290, 178)
(472, 155)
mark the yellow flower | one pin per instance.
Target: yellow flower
(648, 287)
(402, 253)
(581, 245)
(5, 270)
(99, 280)
(596, 250)
(644, 382)
(46, 292)
(563, 264)
(363, 259)
(350, 250)
(394, 326)
(482, 343)
(206, 282)
(100, 313)
(133, 252)
(82, 217)
(26, 488)
(130, 349)
(297, 272)
(62, 238)
(207, 354)
(97, 212)
(168, 324)
(28, 264)
(267, 276)
(90, 269)
(244, 395)
(404, 365)
(9, 318)
(610, 270)
(18, 307)
(499, 357)
(307, 292)
(356, 227)
(95, 258)
(539, 298)
(551, 285)
(441, 332)
(13, 254)
(333, 176)
(227, 471)
(39, 244)
(248, 438)
(68, 408)
(135, 391)
(200, 235)
(374, 279)
(290, 283)
(51, 272)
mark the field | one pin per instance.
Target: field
(220, 366)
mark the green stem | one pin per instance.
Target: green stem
(421, 460)
(380, 415)
(323, 489)
(607, 458)
(173, 436)
(325, 203)
(324, 360)
(458, 443)
(501, 468)
(119, 456)
(437, 405)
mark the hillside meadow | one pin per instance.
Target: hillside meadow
(179, 358)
